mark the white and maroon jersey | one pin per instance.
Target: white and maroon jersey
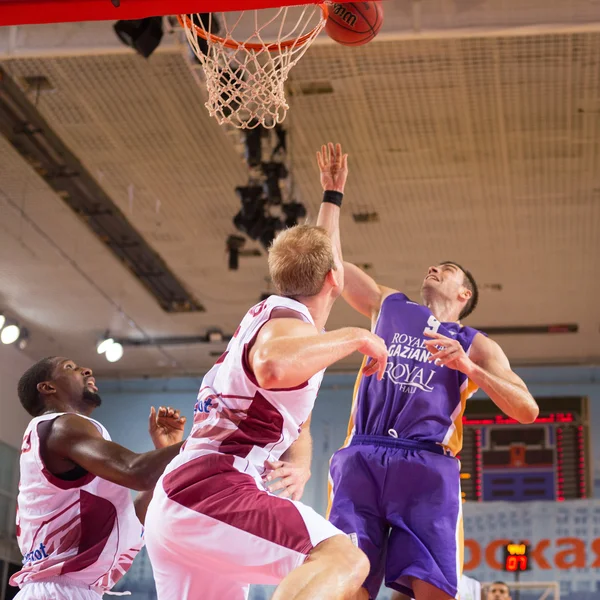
(234, 415)
(84, 529)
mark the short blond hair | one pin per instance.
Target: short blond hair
(299, 260)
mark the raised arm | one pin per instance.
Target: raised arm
(360, 290)
(333, 166)
(76, 439)
(362, 293)
(487, 366)
(288, 352)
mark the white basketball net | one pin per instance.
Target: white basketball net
(247, 64)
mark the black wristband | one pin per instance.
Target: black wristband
(333, 197)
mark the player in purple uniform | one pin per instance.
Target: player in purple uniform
(395, 485)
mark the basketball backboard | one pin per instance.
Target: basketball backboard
(29, 12)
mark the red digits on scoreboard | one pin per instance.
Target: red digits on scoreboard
(516, 563)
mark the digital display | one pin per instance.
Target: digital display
(504, 460)
(516, 557)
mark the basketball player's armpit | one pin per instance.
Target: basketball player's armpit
(288, 353)
(79, 441)
(141, 503)
(361, 291)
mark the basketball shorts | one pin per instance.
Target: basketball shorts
(400, 500)
(212, 530)
(57, 588)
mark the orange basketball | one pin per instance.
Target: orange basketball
(354, 23)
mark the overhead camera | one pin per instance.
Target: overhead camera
(273, 172)
(234, 244)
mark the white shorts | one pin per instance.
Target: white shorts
(57, 588)
(211, 531)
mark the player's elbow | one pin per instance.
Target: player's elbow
(144, 482)
(529, 414)
(269, 372)
(139, 477)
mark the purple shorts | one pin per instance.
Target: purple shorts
(401, 501)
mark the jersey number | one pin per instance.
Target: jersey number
(256, 310)
(434, 325)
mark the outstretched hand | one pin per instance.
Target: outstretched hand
(165, 426)
(286, 477)
(374, 347)
(447, 352)
(333, 164)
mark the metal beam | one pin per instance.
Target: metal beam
(31, 136)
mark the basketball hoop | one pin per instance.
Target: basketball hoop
(246, 79)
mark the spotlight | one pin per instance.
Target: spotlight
(114, 352)
(23, 339)
(10, 334)
(234, 244)
(104, 345)
(253, 153)
(294, 211)
(143, 35)
(273, 171)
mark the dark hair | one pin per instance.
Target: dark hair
(470, 283)
(498, 582)
(28, 392)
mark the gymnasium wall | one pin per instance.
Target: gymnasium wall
(13, 422)
(566, 535)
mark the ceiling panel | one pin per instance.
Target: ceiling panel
(484, 150)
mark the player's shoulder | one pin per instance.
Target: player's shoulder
(285, 325)
(484, 348)
(390, 295)
(69, 426)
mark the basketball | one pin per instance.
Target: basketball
(354, 23)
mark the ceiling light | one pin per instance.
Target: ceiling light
(10, 334)
(114, 352)
(23, 339)
(2, 321)
(104, 345)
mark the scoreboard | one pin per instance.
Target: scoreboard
(516, 557)
(546, 460)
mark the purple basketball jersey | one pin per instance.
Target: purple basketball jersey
(416, 399)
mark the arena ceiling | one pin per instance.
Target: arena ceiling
(475, 139)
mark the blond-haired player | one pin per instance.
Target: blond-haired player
(213, 528)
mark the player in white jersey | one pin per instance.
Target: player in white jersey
(213, 528)
(77, 526)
